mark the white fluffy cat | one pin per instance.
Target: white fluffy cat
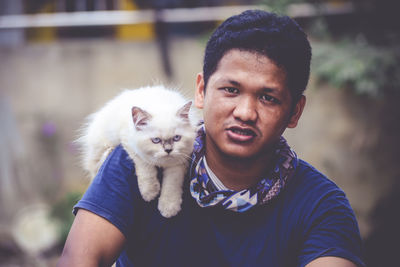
(156, 128)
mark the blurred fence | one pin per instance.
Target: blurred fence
(107, 12)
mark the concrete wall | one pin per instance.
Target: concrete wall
(51, 88)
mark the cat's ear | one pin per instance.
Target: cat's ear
(183, 112)
(140, 117)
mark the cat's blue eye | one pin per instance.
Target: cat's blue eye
(156, 140)
(177, 138)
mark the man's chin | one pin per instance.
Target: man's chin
(243, 154)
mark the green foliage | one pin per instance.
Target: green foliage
(366, 69)
(352, 62)
(62, 212)
(279, 6)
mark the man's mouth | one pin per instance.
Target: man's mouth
(243, 131)
(239, 134)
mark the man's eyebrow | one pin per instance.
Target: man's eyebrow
(238, 84)
(269, 89)
(233, 82)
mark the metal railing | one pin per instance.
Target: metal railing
(120, 17)
(82, 5)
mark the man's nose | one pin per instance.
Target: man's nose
(246, 110)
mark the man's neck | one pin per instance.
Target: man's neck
(238, 173)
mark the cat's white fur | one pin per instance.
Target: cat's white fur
(133, 119)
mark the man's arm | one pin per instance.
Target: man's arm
(92, 241)
(331, 262)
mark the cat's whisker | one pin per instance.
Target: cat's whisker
(184, 156)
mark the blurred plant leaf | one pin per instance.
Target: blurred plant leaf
(363, 68)
(62, 212)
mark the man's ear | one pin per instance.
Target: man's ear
(199, 94)
(297, 111)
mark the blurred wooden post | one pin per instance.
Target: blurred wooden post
(45, 34)
(14, 180)
(11, 36)
(142, 31)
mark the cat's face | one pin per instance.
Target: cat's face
(166, 139)
(166, 149)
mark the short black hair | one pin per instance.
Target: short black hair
(279, 38)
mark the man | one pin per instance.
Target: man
(248, 200)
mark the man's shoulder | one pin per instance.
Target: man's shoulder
(324, 213)
(309, 174)
(117, 168)
(309, 182)
(119, 156)
(119, 152)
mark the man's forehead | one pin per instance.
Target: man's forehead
(236, 62)
(249, 57)
(260, 56)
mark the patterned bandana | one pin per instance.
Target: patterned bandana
(207, 194)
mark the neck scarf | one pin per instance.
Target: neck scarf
(206, 193)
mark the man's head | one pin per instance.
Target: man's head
(279, 38)
(256, 68)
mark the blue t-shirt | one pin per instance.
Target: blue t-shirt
(311, 218)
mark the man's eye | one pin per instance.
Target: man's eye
(269, 98)
(231, 90)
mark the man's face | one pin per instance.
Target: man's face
(246, 106)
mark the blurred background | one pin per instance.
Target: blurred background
(63, 59)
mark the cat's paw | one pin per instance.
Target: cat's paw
(168, 207)
(150, 191)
